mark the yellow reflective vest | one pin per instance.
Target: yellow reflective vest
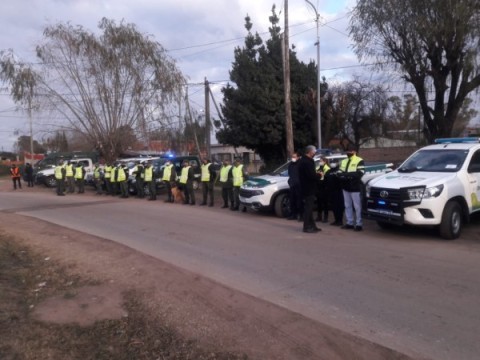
(148, 173)
(206, 172)
(224, 173)
(352, 164)
(121, 176)
(69, 170)
(58, 172)
(184, 175)
(78, 172)
(237, 173)
(108, 171)
(167, 172)
(96, 173)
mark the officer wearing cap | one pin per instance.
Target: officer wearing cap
(186, 180)
(239, 176)
(169, 176)
(149, 178)
(208, 175)
(350, 173)
(60, 177)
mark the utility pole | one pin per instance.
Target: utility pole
(286, 81)
(319, 105)
(31, 132)
(207, 118)
(192, 123)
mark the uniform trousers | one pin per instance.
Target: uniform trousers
(353, 208)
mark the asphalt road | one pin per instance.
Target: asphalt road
(405, 289)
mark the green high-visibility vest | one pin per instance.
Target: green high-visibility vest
(108, 171)
(96, 173)
(78, 173)
(184, 175)
(206, 172)
(167, 172)
(148, 173)
(69, 170)
(224, 173)
(121, 174)
(112, 175)
(352, 163)
(58, 172)
(237, 173)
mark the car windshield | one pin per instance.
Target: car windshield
(435, 161)
(281, 171)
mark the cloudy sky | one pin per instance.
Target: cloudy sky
(200, 34)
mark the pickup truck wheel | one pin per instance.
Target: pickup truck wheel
(282, 205)
(50, 181)
(451, 225)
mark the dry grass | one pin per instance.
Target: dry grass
(26, 278)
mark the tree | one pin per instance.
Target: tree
(253, 107)
(58, 143)
(434, 43)
(102, 84)
(23, 145)
(355, 111)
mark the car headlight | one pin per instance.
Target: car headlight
(424, 193)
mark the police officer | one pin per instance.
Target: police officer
(60, 173)
(226, 181)
(80, 177)
(208, 175)
(351, 171)
(70, 179)
(121, 180)
(149, 179)
(113, 180)
(107, 173)
(97, 178)
(322, 190)
(15, 174)
(138, 172)
(239, 176)
(186, 181)
(169, 176)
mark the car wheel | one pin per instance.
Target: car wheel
(50, 181)
(282, 205)
(451, 225)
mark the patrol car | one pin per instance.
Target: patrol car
(439, 185)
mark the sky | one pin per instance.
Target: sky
(200, 35)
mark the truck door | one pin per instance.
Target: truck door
(474, 181)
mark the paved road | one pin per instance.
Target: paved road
(407, 290)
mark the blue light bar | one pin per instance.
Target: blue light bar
(463, 140)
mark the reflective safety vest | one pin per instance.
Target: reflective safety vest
(167, 172)
(15, 172)
(352, 164)
(206, 172)
(112, 175)
(121, 176)
(79, 172)
(69, 170)
(237, 173)
(224, 173)
(184, 175)
(108, 171)
(58, 172)
(148, 173)
(96, 173)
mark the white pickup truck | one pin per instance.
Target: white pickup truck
(47, 176)
(439, 185)
(271, 192)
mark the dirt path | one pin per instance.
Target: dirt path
(212, 314)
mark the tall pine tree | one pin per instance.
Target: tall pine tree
(254, 107)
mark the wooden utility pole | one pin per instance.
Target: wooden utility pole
(207, 118)
(286, 82)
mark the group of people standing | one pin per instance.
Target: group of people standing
(329, 187)
(16, 176)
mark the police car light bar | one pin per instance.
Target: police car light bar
(463, 140)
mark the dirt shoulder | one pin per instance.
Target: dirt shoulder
(215, 317)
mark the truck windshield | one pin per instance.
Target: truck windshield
(281, 171)
(435, 161)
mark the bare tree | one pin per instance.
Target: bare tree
(433, 43)
(355, 111)
(102, 84)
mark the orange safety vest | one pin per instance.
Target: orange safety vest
(15, 172)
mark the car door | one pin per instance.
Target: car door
(474, 181)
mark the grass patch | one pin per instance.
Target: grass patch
(26, 278)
